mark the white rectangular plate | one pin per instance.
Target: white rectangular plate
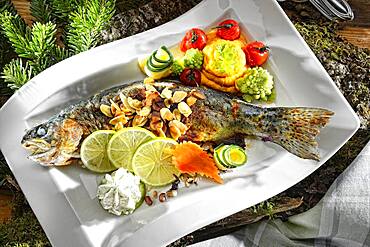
(63, 198)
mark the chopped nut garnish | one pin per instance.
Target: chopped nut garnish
(184, 109)
(191, 101)
(139, 121)
(168, 103)
(166, 114)
(145, 111)
(117, 119)
(162, 197)
(148, 200)
(166, 93)
(134, 103)
(177, 114)
(105, 109)
(118, 126)
(179, 96)
(197, 94)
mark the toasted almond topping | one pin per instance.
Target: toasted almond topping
(105, 109)
(166, 114)
(139, 121)
(126, 105)
(168, 102)
(191, 101)
(122, 97)
(179, 96)
(148, 80)
(197, 94)
(117, 119)
(134, 103)
(175, 132)
(114, 107)
(177, 114)
(166, 93)
(184, 109)
(182, 127)
(145, 111)
(118, 126)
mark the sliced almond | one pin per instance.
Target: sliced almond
(175, 132)
(197, 94)
(139, 121)
(168, 102)
(119, 126)
(166, 93)
(184, 109)
(182, 127)
(134, 103)
(179, 96)
(105, 109)
(145, 111)
(191, 100)
(118, 119)
(166, 114)
(177, 114)
(114, 107)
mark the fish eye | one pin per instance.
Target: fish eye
(41, 132)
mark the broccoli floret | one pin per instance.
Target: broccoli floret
(256, 84)
(177, 66)
(193, 59)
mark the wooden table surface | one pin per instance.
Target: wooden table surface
(356, 32)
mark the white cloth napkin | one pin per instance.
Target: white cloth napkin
(341, 218)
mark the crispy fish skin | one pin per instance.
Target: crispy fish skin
(216, 117)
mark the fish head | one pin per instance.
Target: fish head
(53, 142)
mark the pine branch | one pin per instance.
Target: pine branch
(63, 8)
(17, 73)
(41, 10)
(87, 22)
(16, 31)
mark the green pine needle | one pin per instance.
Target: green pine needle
(41, 10)
(17, 73)
(87, 22)
(42, 40)
(16, 31)
(63, 8)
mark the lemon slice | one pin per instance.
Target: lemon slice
(123, 144)
(152, 162)
(94, 151)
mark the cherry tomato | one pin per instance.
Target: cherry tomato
(228, 29)
(194, 38)
(190, 77)
(256, 53)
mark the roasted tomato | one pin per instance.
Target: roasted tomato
(194, 38)
(190, 77)
(256, 53)
(228, 29)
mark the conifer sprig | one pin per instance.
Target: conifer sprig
(87, 22)
(17, 73)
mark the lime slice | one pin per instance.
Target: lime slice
(124, 143)
(153, 162)
(94, 151)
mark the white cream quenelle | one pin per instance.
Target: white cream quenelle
(119, 192)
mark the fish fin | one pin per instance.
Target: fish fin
(295, 129)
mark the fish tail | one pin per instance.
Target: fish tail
(295, 129)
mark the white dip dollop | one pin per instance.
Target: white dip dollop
(119, 192)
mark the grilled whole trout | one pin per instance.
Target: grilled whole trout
(215, 117)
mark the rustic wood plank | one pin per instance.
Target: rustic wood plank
(359, 36)
(5, 207)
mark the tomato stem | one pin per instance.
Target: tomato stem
(227, 26)
(194, 37)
